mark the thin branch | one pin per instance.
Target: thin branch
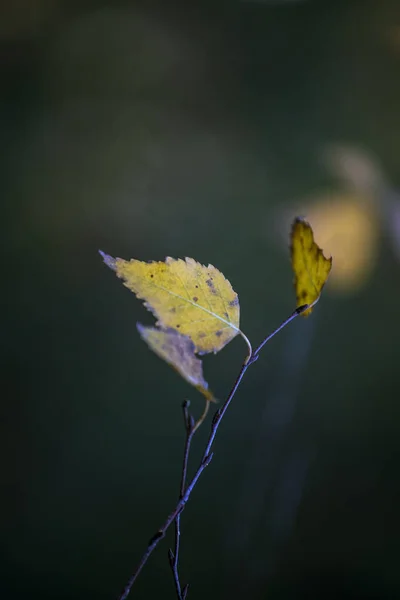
(173, 556)
(294, 314)
(205, 461)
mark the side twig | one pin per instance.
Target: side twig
(173, 556)
(205, 461)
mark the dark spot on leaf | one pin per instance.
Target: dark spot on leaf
(218, 333)
(152, 275)
(196, 286)
(202, 334)
(172, 310)
(226, 315)
(234, 302)
(178, 326)
(195, 298)
(211, 286)
(304, 294)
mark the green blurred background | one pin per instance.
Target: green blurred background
(162, 128)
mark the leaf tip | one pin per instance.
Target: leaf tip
(144, 331)
(300, 219)
(108, 260)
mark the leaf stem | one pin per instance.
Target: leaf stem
(200, 420)
(205, 461)
(246, 339)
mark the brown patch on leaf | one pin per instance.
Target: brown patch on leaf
(210, 284)
(234, 302)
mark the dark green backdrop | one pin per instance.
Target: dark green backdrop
(150, 129)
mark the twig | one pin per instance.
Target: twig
(173, 556)
(205, 461)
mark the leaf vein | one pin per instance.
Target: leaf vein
(210, 312)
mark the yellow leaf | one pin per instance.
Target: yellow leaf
(311, 268)
(178, 351)
(184, 295)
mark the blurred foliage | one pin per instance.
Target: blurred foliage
(156, 129)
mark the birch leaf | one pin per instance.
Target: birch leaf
(193, 299)
(178, 351)
(311, 268)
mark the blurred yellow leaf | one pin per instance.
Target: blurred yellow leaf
(311, 268)
(178, 351)
(347, 227)
(186, 296)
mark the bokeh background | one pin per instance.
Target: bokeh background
(162, 128)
